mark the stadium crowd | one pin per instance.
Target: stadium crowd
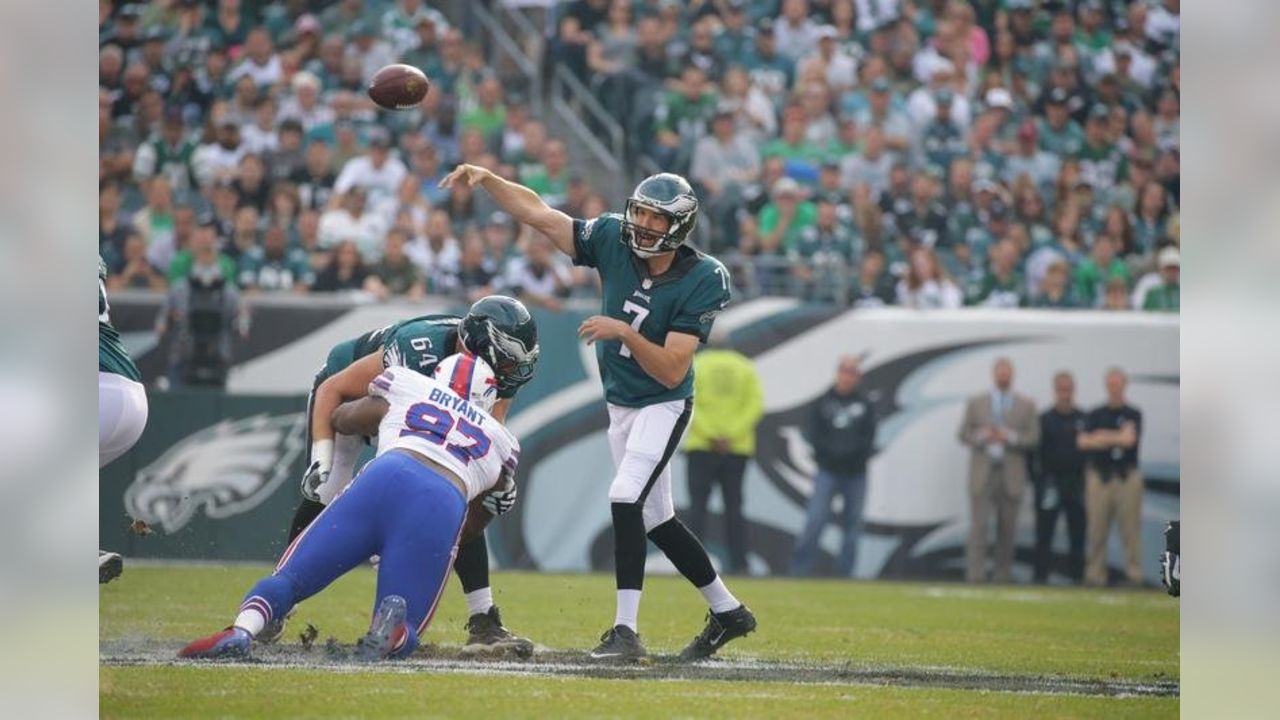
(237, 143)
(927, 153)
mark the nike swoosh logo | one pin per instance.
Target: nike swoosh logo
(605, 655)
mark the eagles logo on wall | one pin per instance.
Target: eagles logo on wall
(228, 468)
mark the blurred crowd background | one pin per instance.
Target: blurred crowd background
(926, 153)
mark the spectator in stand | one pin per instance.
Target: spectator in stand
(1058, 133)
(941, 139)
(871, 166)
(841, 428)
(112, 228)
(837, 67)
(1094, 273)
(577, 24)
(1113, 482)
(369, 52)
(1059, 480)
(244, 233)
(1030, 161)
(682, 118)
(251, 185)
(346, 273)
(437, 250)
(537, 277)
(725, 163)
(873, 286)
(275, 267)
(136, 272)
(785, 218)
(823, 255)
(488, 112)
(315, 178)
(771, 70)
(287, 158)
(202, 259)
(1055, 288)
(927, 284)
(349, 221)
(260, 136)
(169, 153)
(1150, 218)
(701, 51)
(722, 438)
(155, 220)
(1165, 297)
(1000, 428)
(498, 234)
(801, 156)
(734, 43)
(395, 275)
(470, 278)
(552, 183)
(377, 172)
(304, 104)
(796, 33)
(1002, 285)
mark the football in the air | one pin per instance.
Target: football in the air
(398, 87)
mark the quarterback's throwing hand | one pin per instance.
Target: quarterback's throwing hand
(464, 173)
(599, 327)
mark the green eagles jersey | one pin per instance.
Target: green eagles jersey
(418, 344)
(684, 299)
(112, 357)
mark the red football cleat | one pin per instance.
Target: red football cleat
(229, 643)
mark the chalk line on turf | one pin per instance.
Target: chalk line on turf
(436, 659)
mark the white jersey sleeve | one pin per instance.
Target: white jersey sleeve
(427, 417)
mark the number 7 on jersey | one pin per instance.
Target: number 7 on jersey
(640, 313)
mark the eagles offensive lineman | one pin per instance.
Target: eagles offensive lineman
(660, 299)
(122, 405)
(496, 328)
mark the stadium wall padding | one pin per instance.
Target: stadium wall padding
(215, 474)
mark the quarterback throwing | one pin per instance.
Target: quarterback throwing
(661, 297)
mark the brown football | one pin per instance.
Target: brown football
(398, 87)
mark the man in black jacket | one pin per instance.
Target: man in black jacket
(1059, 479)
(842, 431)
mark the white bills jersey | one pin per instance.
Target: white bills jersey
(429, 418)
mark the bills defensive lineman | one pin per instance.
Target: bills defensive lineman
(438, 449)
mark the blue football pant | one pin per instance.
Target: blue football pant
(396, 508)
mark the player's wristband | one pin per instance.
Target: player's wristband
(322, 452)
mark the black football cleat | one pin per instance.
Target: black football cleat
(720, 629)
(620, 644)
(110, 565)
(487, 636)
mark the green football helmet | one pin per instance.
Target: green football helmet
(665, 193)
(501, 330)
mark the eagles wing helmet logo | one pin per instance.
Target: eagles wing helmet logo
(229, 468)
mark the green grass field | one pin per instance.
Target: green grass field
(1022, 633)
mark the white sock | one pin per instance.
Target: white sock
(479, 601)
(251, 620)
(628, 608)
(718, 596)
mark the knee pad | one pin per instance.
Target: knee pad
(633, 475)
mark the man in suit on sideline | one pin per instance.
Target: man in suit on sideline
(1000, 427)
